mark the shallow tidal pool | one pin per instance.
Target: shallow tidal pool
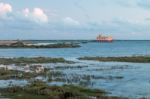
(119, 78)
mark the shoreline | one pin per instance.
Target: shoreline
(40, 89)
(132, 59)
(54, 74)
(28, 44)
(38, 59)
(32, 60)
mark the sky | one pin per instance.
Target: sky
(74, 19)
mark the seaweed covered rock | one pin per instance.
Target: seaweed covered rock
(18, 44)
(41, 89)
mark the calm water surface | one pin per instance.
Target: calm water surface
(117, 48)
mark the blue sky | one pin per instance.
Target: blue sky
(74, 19)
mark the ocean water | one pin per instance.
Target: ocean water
(116, 48)
(135, 81)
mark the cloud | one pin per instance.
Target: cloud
(70, 21)
(40, 15)
(5, 11)
(5, 8)
(37, 15)
(119, 19)
(26, 12)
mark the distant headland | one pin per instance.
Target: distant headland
(29, 44)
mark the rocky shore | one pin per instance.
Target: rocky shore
(31, 60)
(23, 44)
(134, 59)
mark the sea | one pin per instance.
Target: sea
(88, 48)
(118, 78)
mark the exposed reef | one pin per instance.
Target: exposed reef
(134, 59)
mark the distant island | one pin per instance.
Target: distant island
(26, 44)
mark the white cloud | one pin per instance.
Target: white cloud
(70, 21)
(36, 15)
(26, 12)
(40, 15)
(5, 9)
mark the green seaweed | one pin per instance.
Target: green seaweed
(43, 91)
(134, 59)
(30, 60)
